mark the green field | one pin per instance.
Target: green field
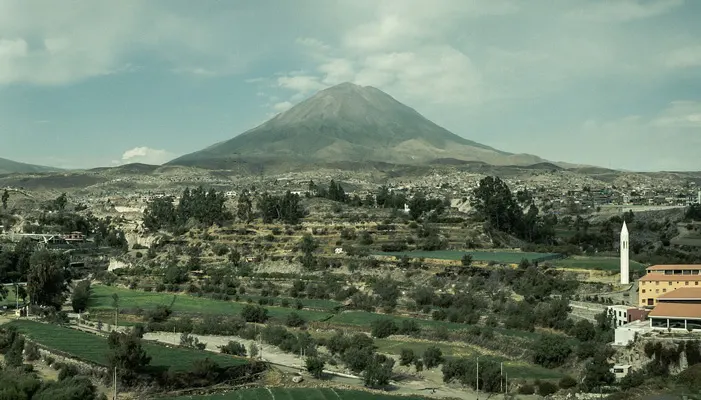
(509, 257)
(595, 263)
(296, 394)
(101, 299)
(93, 348)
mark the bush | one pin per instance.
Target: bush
(294, 320)
(382, 328)
(233, 348)
(526, 389)
(433, 357)
(31, 352)
(406, 357)
(251, 313)
(546, 388)
(567, 382)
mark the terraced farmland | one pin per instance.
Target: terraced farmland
(102, 299)
(93, 348)
(509, 257)
(297, 394)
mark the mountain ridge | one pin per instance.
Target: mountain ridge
(348, 122)
(13, 167)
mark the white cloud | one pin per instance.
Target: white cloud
(681, 114)
(282, 106)
(467, 53)
(146, 155)
(687, 57)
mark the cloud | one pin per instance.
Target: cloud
(282, 106)
(680, 114)
(470, 53)
(146, 155)
(46, 43)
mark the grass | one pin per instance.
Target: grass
(93, 348)
(101, 299)
(509, 257)
(296, 394)
(595, 263)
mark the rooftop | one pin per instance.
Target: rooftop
(685, 293)
(666, 278)
(676, 310)
(673, 267)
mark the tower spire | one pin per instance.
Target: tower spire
(625, 253)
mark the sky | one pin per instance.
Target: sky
(101, 82)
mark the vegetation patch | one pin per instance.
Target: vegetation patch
(507, 257)
(133, 299)
(95, 349)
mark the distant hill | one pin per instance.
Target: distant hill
(353, 123)
(12, 167)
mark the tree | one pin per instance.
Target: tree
(244, 207)
(60, 202)
(551, 351)
(126, 354)
(378, 371)
(494, 201)
(432, 357)
(406, 357)
(383, 327)
(466, 260)
(252, 313)
(48, 278)
(159, 214)
(598, 373)
(315, 366)
(81, 296)
(294, 320)
(5, 198)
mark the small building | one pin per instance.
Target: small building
(679, 309)
(621, 370)
(626, 334)
(620, 313)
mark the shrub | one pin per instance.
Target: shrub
(294, 320)
(233, 348)
(406, 357)
(251, 313)
(546, 388)
(381, 328)
(567, 382)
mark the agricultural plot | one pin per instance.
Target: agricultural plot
(362, 318)
(93, 348)
(297, 394)
(596, 263)
(101, 299)
(507, 257)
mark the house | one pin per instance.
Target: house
(678, 309)
(625, 314)
(661, 279)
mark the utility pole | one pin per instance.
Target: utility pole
(506, 383)
(477, 382)
(501, 377)
(115, 382)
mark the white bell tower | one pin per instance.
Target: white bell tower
(625, 252)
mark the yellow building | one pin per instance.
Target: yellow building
(661, 279)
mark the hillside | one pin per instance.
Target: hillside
(11, 167)
(348, 122)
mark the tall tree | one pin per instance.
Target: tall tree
(126, 354)
(244, 208)
(5, 198)
(494, 201)
(48, 278)
(81, 296)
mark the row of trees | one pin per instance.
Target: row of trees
(199, 205)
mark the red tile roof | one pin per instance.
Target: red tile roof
(666, 278)
(685, 293)
(673, 267)
(676, 310)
